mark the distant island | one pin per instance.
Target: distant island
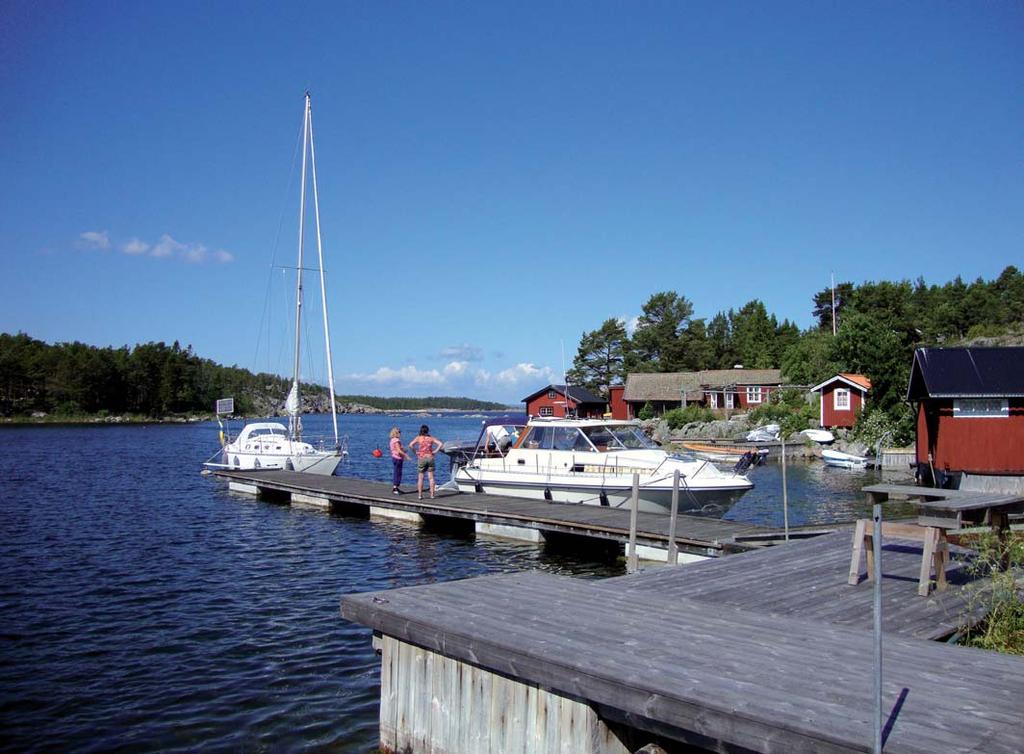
(42, 382)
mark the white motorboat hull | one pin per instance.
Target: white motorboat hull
(843, 460)
(821, 436)
(654, 496)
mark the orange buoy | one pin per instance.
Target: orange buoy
(377, 452)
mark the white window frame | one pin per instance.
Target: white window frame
(730, 399)
(714, 400)
(547, 411)
(981, 408)
(552, 394)
(837, 404)
(754, 394)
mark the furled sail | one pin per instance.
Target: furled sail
(291, 405)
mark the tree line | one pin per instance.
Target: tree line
(877, 327)
(151, 380)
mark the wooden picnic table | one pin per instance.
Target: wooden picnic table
(942, 511)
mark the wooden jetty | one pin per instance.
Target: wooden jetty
(507, 517)
(764, 651)
(538, 663)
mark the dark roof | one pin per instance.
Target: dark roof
(578, 394)
(967, 372)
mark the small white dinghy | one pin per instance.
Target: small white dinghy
(843, 460)
(821, 436)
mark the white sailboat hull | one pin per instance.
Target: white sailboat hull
(314, 462)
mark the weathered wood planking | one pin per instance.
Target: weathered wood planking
(585, 520)
(809, 579)
(766, 683)
(453, 706)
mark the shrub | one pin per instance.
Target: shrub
(789, 409)
(895, 427)
(647, 412)
(679, 417)
(996, 594)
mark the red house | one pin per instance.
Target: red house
(970, 417)
(554, 399)
(842, 399)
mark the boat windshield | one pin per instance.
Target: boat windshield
(606, 438)
(632, 438)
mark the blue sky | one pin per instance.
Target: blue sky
(495, 178)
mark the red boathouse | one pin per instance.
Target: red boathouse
(842, 399)
(554, 399)
(970, 417)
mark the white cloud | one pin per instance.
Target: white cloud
(407, 375)
(630, 323)
(167, 246)
(464, 352)
(455, 368)
(524, 372)
(454, 378)
(194, 253)
(94, 239)
(135, 247)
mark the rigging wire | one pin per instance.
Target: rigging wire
(265, 317)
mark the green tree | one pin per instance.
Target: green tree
(823, 304)
(867, 346)
(600, 357)
(722, 355)
(657, 343)
(753, 336)
(810, 359)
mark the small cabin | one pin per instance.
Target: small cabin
(969, 404)
(555, 400)
(842, 399)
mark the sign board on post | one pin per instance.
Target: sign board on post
(225, 406)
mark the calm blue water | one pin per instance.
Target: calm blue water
(144, 608)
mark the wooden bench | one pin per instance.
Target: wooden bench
(943, 511)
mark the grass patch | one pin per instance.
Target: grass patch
(995, 591)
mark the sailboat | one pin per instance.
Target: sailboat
(271, 445)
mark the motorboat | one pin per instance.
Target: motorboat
(271, 445)
(767, 433)
(592, 461)
(844, 460)
(725, 454)
(820, 436)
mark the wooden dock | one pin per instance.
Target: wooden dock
(755, 652)
(507, 517)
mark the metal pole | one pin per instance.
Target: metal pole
(632, 561)
(876, 543)
(785, 493)
(673, 548)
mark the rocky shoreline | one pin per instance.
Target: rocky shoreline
(734, 430)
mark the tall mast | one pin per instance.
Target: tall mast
(293, 420)
(323, 284)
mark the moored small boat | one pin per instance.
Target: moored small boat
(844, 460)
(723, 453)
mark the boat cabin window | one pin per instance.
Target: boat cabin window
(602, 438)
(540, 438)
(570, 438)
(268, 432)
